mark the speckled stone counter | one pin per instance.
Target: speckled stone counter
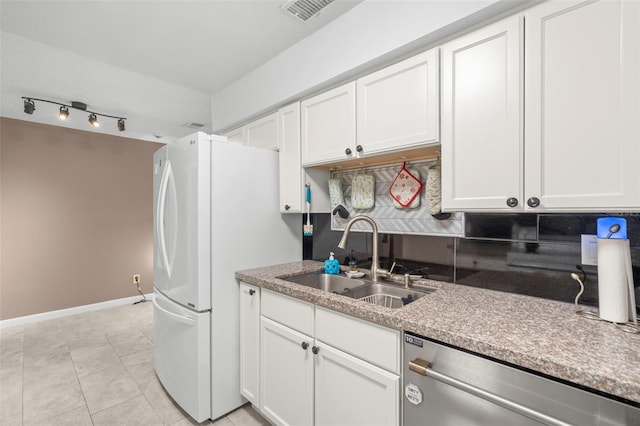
(538, 334)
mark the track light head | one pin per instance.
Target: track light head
(29, 106)
(93, 120)
(121, 124)
(64, 113)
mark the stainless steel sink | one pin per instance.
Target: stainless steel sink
(327, 282)
(388, 295)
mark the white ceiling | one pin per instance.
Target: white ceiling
(154, 62)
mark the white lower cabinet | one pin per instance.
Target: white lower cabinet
(305, 380)
(350, 391)
(286, 379)
(250, 342)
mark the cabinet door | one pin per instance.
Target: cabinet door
(398, 106)
(250, 342)
(583, 105)
(263, 133)
(286, 375)
(291, 171)
(329, 126)
(350, 391)
(482, 143)
(235, 135)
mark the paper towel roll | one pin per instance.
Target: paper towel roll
(613, 289)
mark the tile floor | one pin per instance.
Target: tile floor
(90, 369)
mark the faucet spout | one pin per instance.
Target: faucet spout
(376, 272)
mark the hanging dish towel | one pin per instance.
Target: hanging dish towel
(416, 201)
(434, 193)
(363, 191)
(337, 198)
(405, 187)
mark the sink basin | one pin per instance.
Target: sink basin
(388, 295)
(327, 282)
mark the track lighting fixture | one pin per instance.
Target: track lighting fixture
(93, 120)
(64, 113)
(30, 106)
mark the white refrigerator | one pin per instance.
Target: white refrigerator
(215, 212)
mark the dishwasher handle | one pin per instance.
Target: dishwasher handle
(423, 368)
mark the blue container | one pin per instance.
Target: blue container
(605, 224)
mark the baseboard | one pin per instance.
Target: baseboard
(28, 319)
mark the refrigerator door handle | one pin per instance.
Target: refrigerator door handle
(180, 318)
(160, 208)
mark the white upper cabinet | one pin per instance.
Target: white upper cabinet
(393, 109)
(235, 135)
(582, 105)
(329, 126)
(292, 176)
(291, 171)
(570, 142)
(482, 141)
(260, 133)
(263, 133)
(398, 106)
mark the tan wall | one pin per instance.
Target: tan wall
(75, 217)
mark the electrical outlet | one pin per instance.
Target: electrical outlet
(136, 279)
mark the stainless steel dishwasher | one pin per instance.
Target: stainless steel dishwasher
(444, 386)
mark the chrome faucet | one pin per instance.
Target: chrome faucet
(375, 267)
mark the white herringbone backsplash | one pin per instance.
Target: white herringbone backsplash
(390, 219)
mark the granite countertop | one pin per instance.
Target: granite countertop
(542, 335)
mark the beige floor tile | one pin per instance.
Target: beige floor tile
(48, 370)
(107, 388)
(129, 341)
(11, 350)
(140, 357)
(10, 383)
(78, 417)
(94, 358)
(49, 399)
(85, 337)
(247, 416)
(223, 421)
(166, 409)
(140, 366)
(135, 412)
(45, 340)
(11, 411)
(6, 332)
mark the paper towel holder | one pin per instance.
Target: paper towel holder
(628, 327)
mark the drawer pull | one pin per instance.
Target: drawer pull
(423, 368)
(305, 345)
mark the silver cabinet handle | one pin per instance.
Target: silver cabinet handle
(423, 368)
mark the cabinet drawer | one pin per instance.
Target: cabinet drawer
(370, 342)
(288, 311)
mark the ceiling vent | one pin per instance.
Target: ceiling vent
(305, 9)
(193, 125)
